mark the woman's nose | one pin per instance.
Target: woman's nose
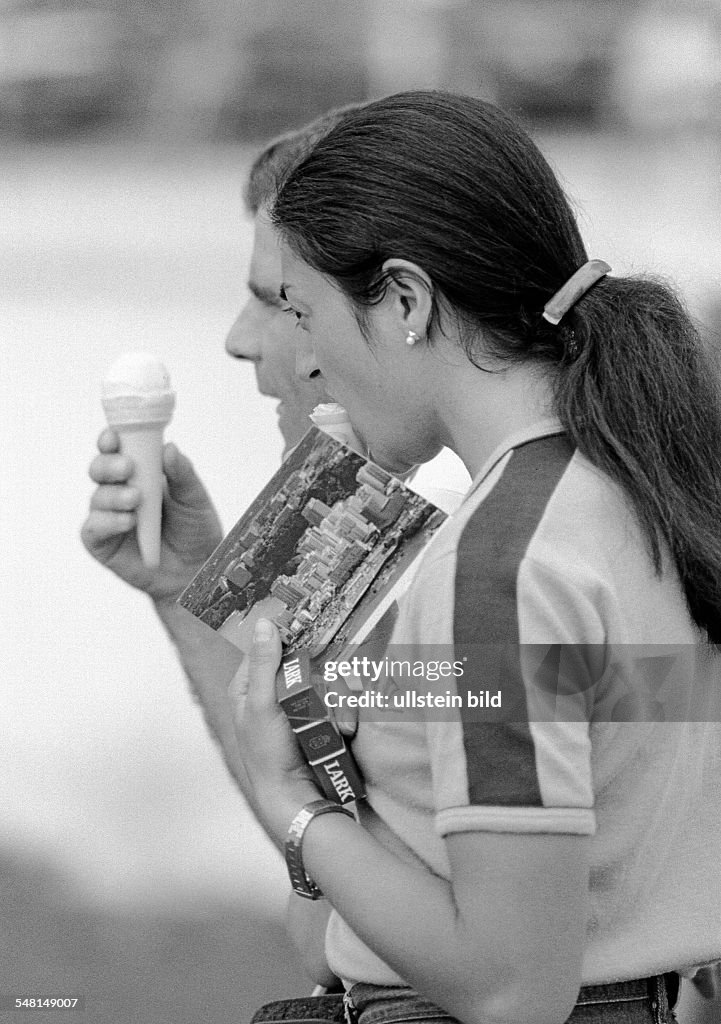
(306, 366)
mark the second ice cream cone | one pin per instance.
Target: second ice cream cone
(333, 420)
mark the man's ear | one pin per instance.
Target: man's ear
(409, 296)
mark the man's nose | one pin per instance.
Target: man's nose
(243, 339)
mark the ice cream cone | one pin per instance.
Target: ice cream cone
(333, 420)
(138, 403)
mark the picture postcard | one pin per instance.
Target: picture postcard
(323, 551)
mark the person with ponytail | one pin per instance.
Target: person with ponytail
(543, 846)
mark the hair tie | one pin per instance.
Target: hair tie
(574, 289)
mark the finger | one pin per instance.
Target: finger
(103, 526)
(109, 441)
(110, 469)
(115, 498)
(238, 687)
(264, 659)
(184, 484)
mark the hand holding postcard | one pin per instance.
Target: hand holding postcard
(324, 551)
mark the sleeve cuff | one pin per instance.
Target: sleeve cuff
(572, 820)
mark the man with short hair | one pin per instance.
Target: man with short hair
(262, 334)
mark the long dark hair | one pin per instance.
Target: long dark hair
(456, 186)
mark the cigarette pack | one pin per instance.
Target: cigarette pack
(322, 744)
(298, 694)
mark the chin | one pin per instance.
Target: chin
(401, 463)
(292, 427)
(391, 462)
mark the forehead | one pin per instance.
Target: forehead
(265, 268)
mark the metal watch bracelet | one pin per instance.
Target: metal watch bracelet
(299, 879)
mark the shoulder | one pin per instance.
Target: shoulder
(546, 549)
(542, 515)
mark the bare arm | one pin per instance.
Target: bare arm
(306, 922)
(191, 531)
(500, 940)
(210, 663)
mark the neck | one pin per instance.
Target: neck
(478, 410)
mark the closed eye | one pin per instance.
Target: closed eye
(266, 296)
(298, 316)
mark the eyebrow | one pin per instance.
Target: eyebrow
(267, 295)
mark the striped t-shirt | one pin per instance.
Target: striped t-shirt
(542, 589)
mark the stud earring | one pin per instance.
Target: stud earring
(411, 338)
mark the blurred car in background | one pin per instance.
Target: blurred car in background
(294, 66)
(63, 65)
(548, 60)
(553, 59)
(223, 69)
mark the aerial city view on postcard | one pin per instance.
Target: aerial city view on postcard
(331, 534)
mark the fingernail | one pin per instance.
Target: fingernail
(263, 631)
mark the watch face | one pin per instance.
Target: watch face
(299, 824)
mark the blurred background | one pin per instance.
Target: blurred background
(130, 869)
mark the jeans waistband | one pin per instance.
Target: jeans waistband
(657, 992)
(626, 991)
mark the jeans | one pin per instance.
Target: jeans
(628, 1002)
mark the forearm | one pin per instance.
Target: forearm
(500, 940)
(306, 921)
(407, 917)
(209, 662)
(450, 948)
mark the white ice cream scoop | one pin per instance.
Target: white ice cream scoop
(138, 402)
(332, 419)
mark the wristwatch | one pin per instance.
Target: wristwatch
(301, 882)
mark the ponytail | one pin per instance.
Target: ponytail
(641, 401)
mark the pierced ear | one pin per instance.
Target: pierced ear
(410, 295)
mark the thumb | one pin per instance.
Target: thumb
(263, 662)
(184, 485)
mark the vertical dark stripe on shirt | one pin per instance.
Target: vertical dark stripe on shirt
(500, 756)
